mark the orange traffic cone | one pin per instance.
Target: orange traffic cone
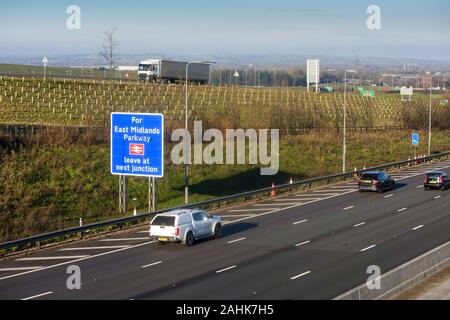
(273, 193)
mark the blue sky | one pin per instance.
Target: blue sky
(414, 29)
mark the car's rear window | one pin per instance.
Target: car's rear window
(433, 175)
(163, 221)
(369, 176)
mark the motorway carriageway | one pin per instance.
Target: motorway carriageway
(315, 244)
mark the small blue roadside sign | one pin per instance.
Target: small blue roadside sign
(415, 139)
(137, 144)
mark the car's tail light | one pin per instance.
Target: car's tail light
(426, 179)
(440, 179)
(177, 232)
(374, 182)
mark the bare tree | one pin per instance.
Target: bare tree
(108, 47)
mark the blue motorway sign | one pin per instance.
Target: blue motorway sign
(415, 139)
(137, 144)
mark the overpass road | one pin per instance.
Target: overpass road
(314, 244)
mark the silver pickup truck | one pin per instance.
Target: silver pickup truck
(184, 226)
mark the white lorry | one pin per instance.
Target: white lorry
(168, 71)
(184, 226)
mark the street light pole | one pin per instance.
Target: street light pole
(429, 116)
(186, 116)
(344, 147)
(186, 160)
(344, 140)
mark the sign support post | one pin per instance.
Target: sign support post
(123, 194)
(151, 194)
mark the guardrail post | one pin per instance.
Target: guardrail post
(38, 245)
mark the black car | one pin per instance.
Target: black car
(375, 181)
(436, 180)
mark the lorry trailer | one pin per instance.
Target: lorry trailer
(168, 71)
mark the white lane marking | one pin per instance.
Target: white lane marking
(19, 269)
(303, 243)
(437, 197)
(335, 190)
(416, 171)
(77, 260)
(124, 239)
(418, 227)
(251, 210)
(301, 275)
(359, 224)
(298, 222)
(298, 200)
(152, 264)
(51, 258)
(389, 195)
(144, 231)
(291, 203)
(312, 196)
(368, 248)
(226, 269)
(344, 186)
(348, 208)
(318, 193)
(236, 215)
(38, 295)
(402, 209)
(270, 204)
(306, 199)
(237, 240)
(93, 248)
(419, 187)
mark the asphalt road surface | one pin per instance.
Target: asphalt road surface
(315, 244)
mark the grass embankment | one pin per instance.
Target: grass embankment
(46, 187)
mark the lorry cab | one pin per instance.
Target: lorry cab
(148, 70)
